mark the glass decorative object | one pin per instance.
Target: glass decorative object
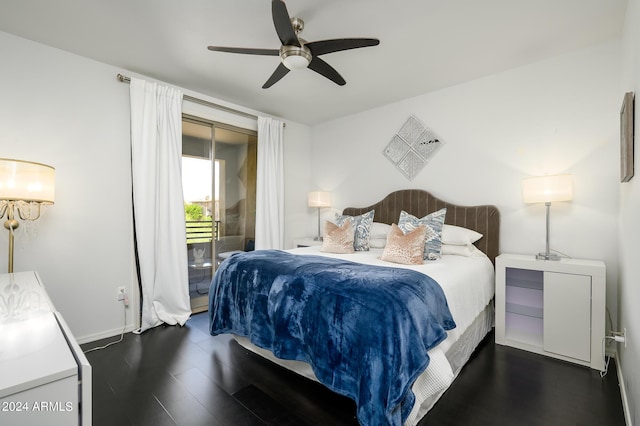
(412, 147)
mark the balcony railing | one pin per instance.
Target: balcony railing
(202, 231)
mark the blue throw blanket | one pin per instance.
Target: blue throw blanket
(364, 329)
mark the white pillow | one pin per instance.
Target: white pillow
(380, 230)
(457, 250)
(466, 251)
(378, 242)
(459, 236)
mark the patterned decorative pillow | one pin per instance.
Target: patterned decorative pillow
(338, 239)
(362, 225)
(406, 249)
(434, 223)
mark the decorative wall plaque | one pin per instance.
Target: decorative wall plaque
(412, 147)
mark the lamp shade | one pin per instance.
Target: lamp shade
(26, 181)
(547, 189)
(319, 199)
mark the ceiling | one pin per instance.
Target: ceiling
(425, 45)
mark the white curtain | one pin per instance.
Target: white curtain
(270, 185)
(156, 154)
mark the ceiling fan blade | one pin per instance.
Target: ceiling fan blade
(248, 51)
(323, 68)
(282, 22)
(329, 46)
(280, 72)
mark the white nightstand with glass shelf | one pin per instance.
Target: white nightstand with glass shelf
(554, 308)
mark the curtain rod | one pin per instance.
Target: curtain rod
(124, 79)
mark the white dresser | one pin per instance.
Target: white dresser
(45, 379)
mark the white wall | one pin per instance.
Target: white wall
(629, 292)
(71, 112)
(297, 181)
(555, 116)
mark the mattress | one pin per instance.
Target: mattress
(468, 284)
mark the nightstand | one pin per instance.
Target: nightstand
(554, 308)
(306, 242)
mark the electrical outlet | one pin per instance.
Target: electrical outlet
(120, 294)
(620, 337)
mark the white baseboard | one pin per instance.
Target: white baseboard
(623, 391)
(104, 334)
(129, 312)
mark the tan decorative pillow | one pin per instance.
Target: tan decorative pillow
(406, 249)
(338, 239)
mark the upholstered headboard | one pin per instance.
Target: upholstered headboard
(482, 219)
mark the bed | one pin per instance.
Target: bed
(465, 281)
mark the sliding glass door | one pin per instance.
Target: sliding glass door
(219, 184)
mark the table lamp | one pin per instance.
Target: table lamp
(319, 199)
(547, 189)
(24, 188)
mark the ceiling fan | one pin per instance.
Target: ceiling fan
(297, 53)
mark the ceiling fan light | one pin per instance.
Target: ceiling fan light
(295, 62)
(294, 57)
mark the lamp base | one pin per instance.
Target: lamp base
(547, 256)
(11, 225)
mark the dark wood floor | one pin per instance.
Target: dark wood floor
(184, 376)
